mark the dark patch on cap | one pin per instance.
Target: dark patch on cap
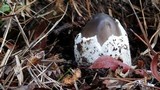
(119, 59)
(114, 49)
(119, 50)
(79, 47)
(84, 59)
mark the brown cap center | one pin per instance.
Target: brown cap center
(103, 26)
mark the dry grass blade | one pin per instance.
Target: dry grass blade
(156, 3)
(152, 45)
(22, 32)
(38, 73)
(5, 34)
(7, 44)
(144, 20)
(10, 80)
(4, 62)
(42, 15)
(43, 77)
(35, 78)
(75, 7)
(38, 15)
(1, 87)
(20, 27)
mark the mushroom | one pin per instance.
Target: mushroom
(102, 35)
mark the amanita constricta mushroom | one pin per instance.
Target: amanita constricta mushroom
(102, 35)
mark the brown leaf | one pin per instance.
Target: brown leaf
(71, 79)
(109, 62)
(68, 80)
(34, 60)
(153, 67)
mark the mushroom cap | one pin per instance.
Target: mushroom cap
(102, 36)
(103, 26)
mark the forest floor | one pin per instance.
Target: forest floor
(37, 45)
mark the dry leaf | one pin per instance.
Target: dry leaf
(33, 61)
(71, 79)
(68, 80)
(153, 67)
(18, 71)
(109, 62)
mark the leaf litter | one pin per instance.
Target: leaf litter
(37, 38)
